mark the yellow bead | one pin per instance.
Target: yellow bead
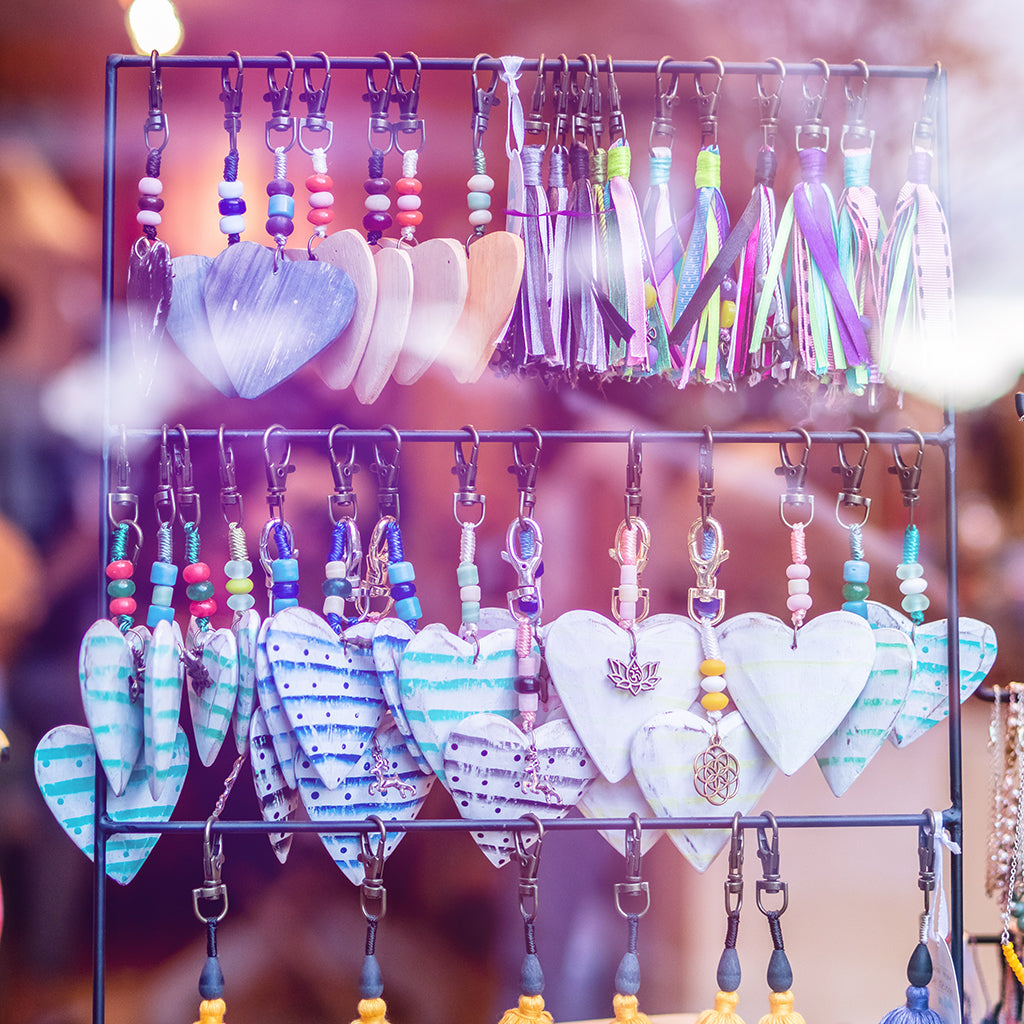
(714, 701)
(241, 586)
(727, 316)
(712, 667)
(650, 295)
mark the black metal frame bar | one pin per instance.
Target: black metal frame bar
(945, 439)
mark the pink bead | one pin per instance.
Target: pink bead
(123, 606)
(203, 609)
(150, 186)
(412, 202)
(148, 218)
(195, 572)
(798, 571)
(799, 602)
(627, 610)
(120, 569)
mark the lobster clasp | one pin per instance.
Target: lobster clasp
(634, 888)
(213, 888)
(373, 897)
(280, 100)
(529, 866)
(523, 550)
(707, 553)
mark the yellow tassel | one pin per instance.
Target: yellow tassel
(372, 1011)
(211, 1011)
(531, 1008)
(626, 1009)
(782, 1011)
(724, 1011)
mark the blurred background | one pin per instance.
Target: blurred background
(292, 943)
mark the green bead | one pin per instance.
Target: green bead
(478, 201)
(467, 574)
(120, 588)
(201, 591)
(915, 602)
(855, 591)
(909, 571)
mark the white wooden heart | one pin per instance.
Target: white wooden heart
(663, 754)
(584, 651)
(497, 772)
(386, 782)
(106, 667)
(278, 802)
(285, 745)
(928, 700)
(390, 323)
(246, 628)
(444, 679)
(147, 304)
(161, 702)
(793, 698)
(328, 688)
(861, 734)
(211, 700)
(390, 638)
(65, 770)
(604, 799)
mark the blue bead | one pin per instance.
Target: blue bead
(158, 613)
(286, 589)
(400, 591)
(401, 572)
(285, 602)
(164, 574)
(231, 207)
(280, 206)
(706, 609)
(857, 607)
(337, 588)
(408, 608)
(528, 606)
(282, 569)
(470, 611)
(856, 570)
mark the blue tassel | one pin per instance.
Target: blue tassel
(915, 1012)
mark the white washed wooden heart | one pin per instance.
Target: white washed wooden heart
(604, 799)
(65, 769)
(285, 745)
(211, 698)
(663, 754)
(147, 304)
(268, 320)
(278, 802)
(246, 628)
(444, 679)
(792, 699)
(161, 702)
(591, 663)
(497, 772)
(390, 638)
(106, 667)
(328, 688)
(928, 699)
(861, 734)
(386, 782)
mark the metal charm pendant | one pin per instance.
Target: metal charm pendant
(631, 675)
(716, 773)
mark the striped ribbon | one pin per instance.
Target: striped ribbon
(558, 200)
(587, 345)
(660, 226)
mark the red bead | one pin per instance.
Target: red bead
(319, 183)
(195, 572)
(121, 569)
(203, 609)
(409, 218)
(408, 186)
(322, 215)
(123, 606)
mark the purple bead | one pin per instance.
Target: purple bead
(280, 226)
(154, 203)
(280, 187)
(377, 221)
(231, 207)
(376, 186)
(286, 589)
(401, 590)
(728, 287)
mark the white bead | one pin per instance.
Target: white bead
(629, 592)
(798, 571)
(408, 202)
(480, 183)
(377, 203)
(712, 684)
(336, 570)
(148, 218)
(480, 217)
(528, 666)
(230, 189)
(334, 605)
(233, 225)
(916, 585)
(469, 594)
(151, 186)
(628, 574)
(529, 701)
(627, 610)
(799, 587)
(321, 200)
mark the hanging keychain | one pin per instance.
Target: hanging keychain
(918, 313)
(856, 571)
(373, 902)
(111, 658)
(798, 573)
(210, 905)
(728, 975)
(319, 184)
(697, 343)
(531, 977)
(148, 291)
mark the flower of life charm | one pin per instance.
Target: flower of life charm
(716, 773)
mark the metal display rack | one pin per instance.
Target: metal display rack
(944, 440)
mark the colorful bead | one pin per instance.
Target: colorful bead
(120, 569)
(799, 602)
(336, 570)
(320, 217)
(400, 591)
(123, 606)
(408, 186)
(526, 684)
(286, 588)
(856, 570)
(798, 571)
(201, 591)
(714, 701)
(154, 203)
(120, 588)
(203, 609)
(916, 585)
(280, 187)
(470, 611)
(319, 183)
(279, 226)
(377, 203)
(478, 201)
(909, 570)
(232, 225)
(163, 595)
(480, 183)
(150, 186)
(401, 572)
(408, 202)
(158, 613)
(409, 218)
(238, 586)
(915, 603)
(238, 569)
(727, 314)
(713, 684)
(334, 605)
(467, 574)
(470, 595)
(479, 218)
(231, 207)
(281, 206)
(377, 222)
(408, 609)
(195, 572)
(377, 187)
(148, 218)
(712, 667)
(163, 574)
(337, 587)
(241, 602)
(230, 189)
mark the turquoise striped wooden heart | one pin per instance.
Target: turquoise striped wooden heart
(65, 768)
(106, 667)
(246, 628)
(161, 703)
(278, 802)
(386, 782)
(328, 688)
(213, 689)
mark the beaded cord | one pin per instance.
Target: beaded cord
(238, 570)
(150, 201)
(408, 188)
(468, 578)
(121, 588)
(797, 575)
(478, 198)
(855, 575)
(377, 218)
(338, 581)
(196, 574)
(280, 201)
(163, 575)
(401, 577)
(910, 573)
(321, 196)
(284, 570)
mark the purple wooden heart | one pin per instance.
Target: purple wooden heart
(268, 321)
(187, 324)
(148, 297)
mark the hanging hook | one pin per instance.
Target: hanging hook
(156, 121)
(186, 495)
(231, 96)
(280, 100)
(925, 126)
(465, 469)
(634, 470)
(342, 503)
(529, 865)
(483, 100)
(706, 476)
(526, 473)
(616, 118)
(770, 102)
(856, 104)
(664, 100)
(795, 474)
(379, 100)
(316, 106)
(277, 473)
(408, 104)
(213, 888)
(768, 854)
(122, 505)
(582, 97)
(535, 123)
(595, 116)
(734, 881)
(707, 103)
(926, 860)
(373, 897)
(163, 496)
(909, 474)
(563, 87)
(634, 888)
(853, 475)
(814, 104)
(230, 497)
(387, 476)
